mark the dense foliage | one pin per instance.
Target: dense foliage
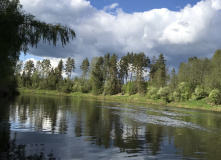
(131, 74)
(18, 31)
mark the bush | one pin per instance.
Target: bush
(67, 88)
(215, 96)
(131, 88)
(176, 96)
(199, 93)
(184, 91)
(123, 89)
(152, 92)
(164, 93)
(86, 87)
(114, 87)
(76, 87)
(107, 88)
(142, 87)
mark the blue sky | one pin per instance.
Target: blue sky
(176, 29)
(130, 6)
(25, 57)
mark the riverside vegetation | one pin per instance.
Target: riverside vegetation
(199, 78)
(133, 77)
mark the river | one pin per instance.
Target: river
(36, 126)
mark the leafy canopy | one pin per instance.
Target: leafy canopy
(20, 30)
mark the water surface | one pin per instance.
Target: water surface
(57, 127)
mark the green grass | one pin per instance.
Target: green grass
(203, 104)
(40, 91)
(133, 98)
(195, 104)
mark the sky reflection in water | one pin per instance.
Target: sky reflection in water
(64, 128)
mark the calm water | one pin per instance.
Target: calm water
(56, 127)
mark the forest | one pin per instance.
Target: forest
(134, 73)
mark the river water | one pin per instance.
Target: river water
(57, 127)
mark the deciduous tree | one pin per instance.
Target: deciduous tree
(18, 31)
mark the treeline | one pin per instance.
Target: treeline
(132, 74)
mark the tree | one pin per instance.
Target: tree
(158, 76)
(35, 79)
(173, 80)
(60, 68)
(123, 71)
(52, 80)
(38, 66)
(113, 75)
(106, 68)
(161, 76)
(45, 67)
(98, 77)
(140, 62)
(194, 72)
(45, 70)
(69, 67)
(85, 67)
(29, 67)
(36, 76)
(130, 59)
(18, 68)
(28, 70)
(92, 66)
(84, 84)
(18, 31)
(214, 76)
(153, 69)
(18, 71)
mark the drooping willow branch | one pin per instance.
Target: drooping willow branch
(29, 30)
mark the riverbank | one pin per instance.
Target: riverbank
(202, 104)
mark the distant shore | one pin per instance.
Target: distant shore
(194, 104)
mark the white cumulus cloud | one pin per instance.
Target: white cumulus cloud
(110, 7)
(192, 31)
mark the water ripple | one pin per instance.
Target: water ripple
(167, 118)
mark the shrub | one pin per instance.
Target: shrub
(76, 87)
(184, 91)
(86, 86)
(131, 88)
(142, 87)
(170, 97)
(107, 88)
(199, 93)
(164, 93)
(176, 96)
(123, 89)
(67, 87)
(215, 96)
(152, 92)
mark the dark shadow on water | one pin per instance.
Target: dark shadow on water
(11, 150)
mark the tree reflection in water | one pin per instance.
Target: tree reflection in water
(80, 123)
(23, 152)
(8, 147)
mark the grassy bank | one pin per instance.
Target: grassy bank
(195, 104)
